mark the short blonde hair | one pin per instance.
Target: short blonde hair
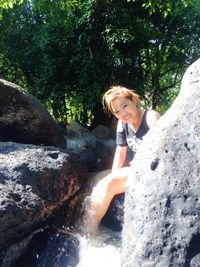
(118, 91)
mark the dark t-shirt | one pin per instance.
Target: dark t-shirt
(127, 137)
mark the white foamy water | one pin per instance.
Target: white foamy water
(103, 250)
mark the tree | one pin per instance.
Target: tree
(67, 53)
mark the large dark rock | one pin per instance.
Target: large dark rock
(35, 181)
(51, 248)
(24, 120)
(162, 204)
(114, 217)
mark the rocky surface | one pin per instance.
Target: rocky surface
(51, 248)
(24, 120)
(94, 149)
(162, 204)
(114, 217)
(35, 181)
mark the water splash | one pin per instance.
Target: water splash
(102, 250)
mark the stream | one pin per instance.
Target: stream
(102, 250)
(63, 248)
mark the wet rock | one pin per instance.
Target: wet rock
(162, 204)
(35, 181)
(24, 120)
(114, 217)
(52, 248)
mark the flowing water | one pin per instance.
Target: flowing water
(63, 247)
(102, 250)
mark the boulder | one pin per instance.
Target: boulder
(24, 120)
(51, 248)
(95, 153)
(162, 204)
(114, 217)
(105, 150)
(79, 137)
(35, 181)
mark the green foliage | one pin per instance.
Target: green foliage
(6, 4)
(67, 53)
(168, 7)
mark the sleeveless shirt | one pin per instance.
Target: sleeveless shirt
(127, 137)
